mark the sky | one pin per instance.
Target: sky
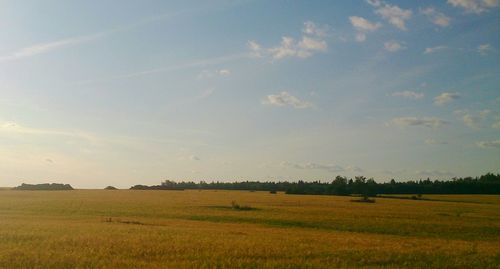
(96, 93)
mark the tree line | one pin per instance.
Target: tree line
(485, 184)
(44, 187)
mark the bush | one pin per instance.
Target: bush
(364, 199)
(237, 206)
(110, 188)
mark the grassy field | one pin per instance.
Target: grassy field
(200, 229)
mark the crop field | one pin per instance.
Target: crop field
(204, 229)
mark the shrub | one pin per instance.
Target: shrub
(364, 199)
(110, 188)
(237, 206)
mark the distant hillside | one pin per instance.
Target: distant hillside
(44, 187)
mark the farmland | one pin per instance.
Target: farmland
(201, 229)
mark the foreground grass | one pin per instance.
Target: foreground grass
(200, 229)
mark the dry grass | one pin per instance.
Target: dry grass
(199, 229)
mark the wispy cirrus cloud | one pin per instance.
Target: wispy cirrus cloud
(15, 128)
(47, 47)
(431, 141)
(172, 68)
(489, 144)
(43, 48)
(214, 73)
(429, 122)
(409, 95)
(435, 173)
(431, 50)
(333, 168)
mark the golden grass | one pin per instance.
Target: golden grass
(199, 229)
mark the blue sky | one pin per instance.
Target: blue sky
(97, 93)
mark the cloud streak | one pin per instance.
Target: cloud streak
(172, 68)
(332, 168)
(431, 50)
(43, 48)
(489, 144)
(429, 122)
(409, 95)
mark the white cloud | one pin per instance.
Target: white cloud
(363, 26)
(473, 119)
(393, 46)
(255, 49)
(285, 99)
(206, 93)
(311, 42)
(287, 48)
(435, 49)
(409, 94)
(394, 14)
(224, 72)
(489, 144)
(431, 141)
(310, 28)
(484, 49)
(445, 98)
(375, 3)
(333, 168)
(302, 49)
(436, 17)
(475, 6)
(414, 121)
(214, 73)
(48, 47)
